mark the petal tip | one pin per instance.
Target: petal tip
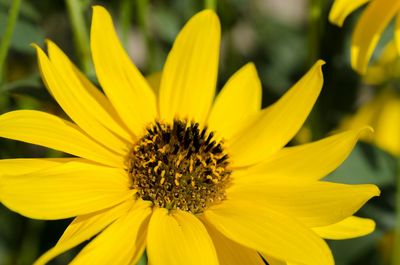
(98, 8)
(100, 12)
(35, 46)
(365, 131)
(372, 190)
(39, 51)
(52, 49)
(320, 62)
(207, 17)
(335, 21)
(250, 68)
(318, 67)
(335, 18)
(51, 46)
(208, 12)
(372, 224)
(377, 191)
(48, 41)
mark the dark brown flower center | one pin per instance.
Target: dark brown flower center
(179, 166)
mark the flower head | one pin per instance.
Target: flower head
(373, 21)
(192, 179)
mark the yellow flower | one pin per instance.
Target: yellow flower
(373, 21)
(383, 113)
(192, 179)
(386, 68)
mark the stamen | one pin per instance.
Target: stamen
(179, 166)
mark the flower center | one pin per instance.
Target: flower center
(179, 166)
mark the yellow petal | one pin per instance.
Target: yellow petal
(106, 104)
(178, 238)
(368, 30)
(75, 105)
(269, 232)
(189, 76)
(347, 228)
(122, 242)
(83, 228)
(388, 126)
(380, 113)
(122, 82)
(383, 68)
(276, 125)
(273, 261)
(44, 129)
(342, 8)
(308, 162)
(389, 54)
(375, 75)
(239, 99)
(230, 252)
(80, 99)
(367, 113)
(20, 166)
(64, 191)
(154, 81)
(314, 203)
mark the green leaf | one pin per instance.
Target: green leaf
(24, 34)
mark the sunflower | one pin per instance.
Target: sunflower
(190, 179)
(373, 21)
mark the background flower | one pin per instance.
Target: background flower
(369, 28)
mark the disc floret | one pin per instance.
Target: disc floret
(179, 166)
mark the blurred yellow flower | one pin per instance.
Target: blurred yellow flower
(373, 21)
(383, 113)
(192, 179)
(386, 68)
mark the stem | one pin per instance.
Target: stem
(210, 4)
(315, 22)
(142, 14)
(315, 29)
(396, 247)
(79, 30)
(5, 43)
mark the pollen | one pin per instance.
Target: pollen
(179, 166)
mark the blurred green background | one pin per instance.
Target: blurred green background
(282, 37)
